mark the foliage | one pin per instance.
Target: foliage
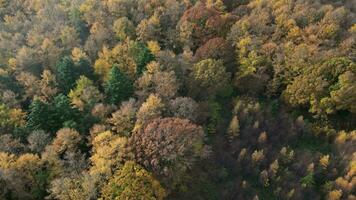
(211, 77)
(133, 182)
(118, 87)
(85, 94)
(154, 148)
(210, 99)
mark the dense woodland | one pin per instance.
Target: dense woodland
(178, 99)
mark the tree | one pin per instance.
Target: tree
(85, 94)
(149, 29)
(185, 108)
(81, 186)
(38, 115)
(118, 87)
(155, 80)
(234, 128)
(169, 146)
(63, 156)
(141, 54)
(199, 24)
(109, 153)
(43, 89)
(124, 28)
(152, 108)
(325, 88)
(63, 112)
(48, 85)
(38, 140)
(51, 117)
(22, 175)
(216, 48)
(66, 74)
(123, 120)
(30, 83)
(130, 56)
(12, 145)
(133, 182)
(10, 118)
(211, 77)
(100, 35)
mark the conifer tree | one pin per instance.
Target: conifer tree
(38, 116)
(66, 75)
(118, 87)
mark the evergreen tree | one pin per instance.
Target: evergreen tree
(39, 116)
(84, 68)
(141, 54)
(66, 75)
(63, 113)
(52, 117)
(118, 87)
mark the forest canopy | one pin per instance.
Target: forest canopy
(177, 99)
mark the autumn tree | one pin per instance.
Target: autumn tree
(85, 94)
(184, 107)
(38, 140)
(23, 172)
(10, 144)
(169, 146)
(63, 155)
(149, 29)
(123, 120)
(133, 182)
(109, 154)
(216, 48)
(155, 80)
(81, 186)
(130, 56)
(152, 108)
(211, 77)
(325, 88)
(124, 28)
(10, 118)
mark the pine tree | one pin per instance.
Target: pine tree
(66, 75)
(118, 87)
(141, 54)
(63, 113)
(38, 118)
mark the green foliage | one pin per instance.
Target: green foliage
(211, 77)
(325, 87)
(75, 18)
(38, 115)
(66, 74)
(41, 179)
(308, 180)
(116, 97)
(214, 118)
(51, 117)
(118, 87)
(124, 28)
(141, 54)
